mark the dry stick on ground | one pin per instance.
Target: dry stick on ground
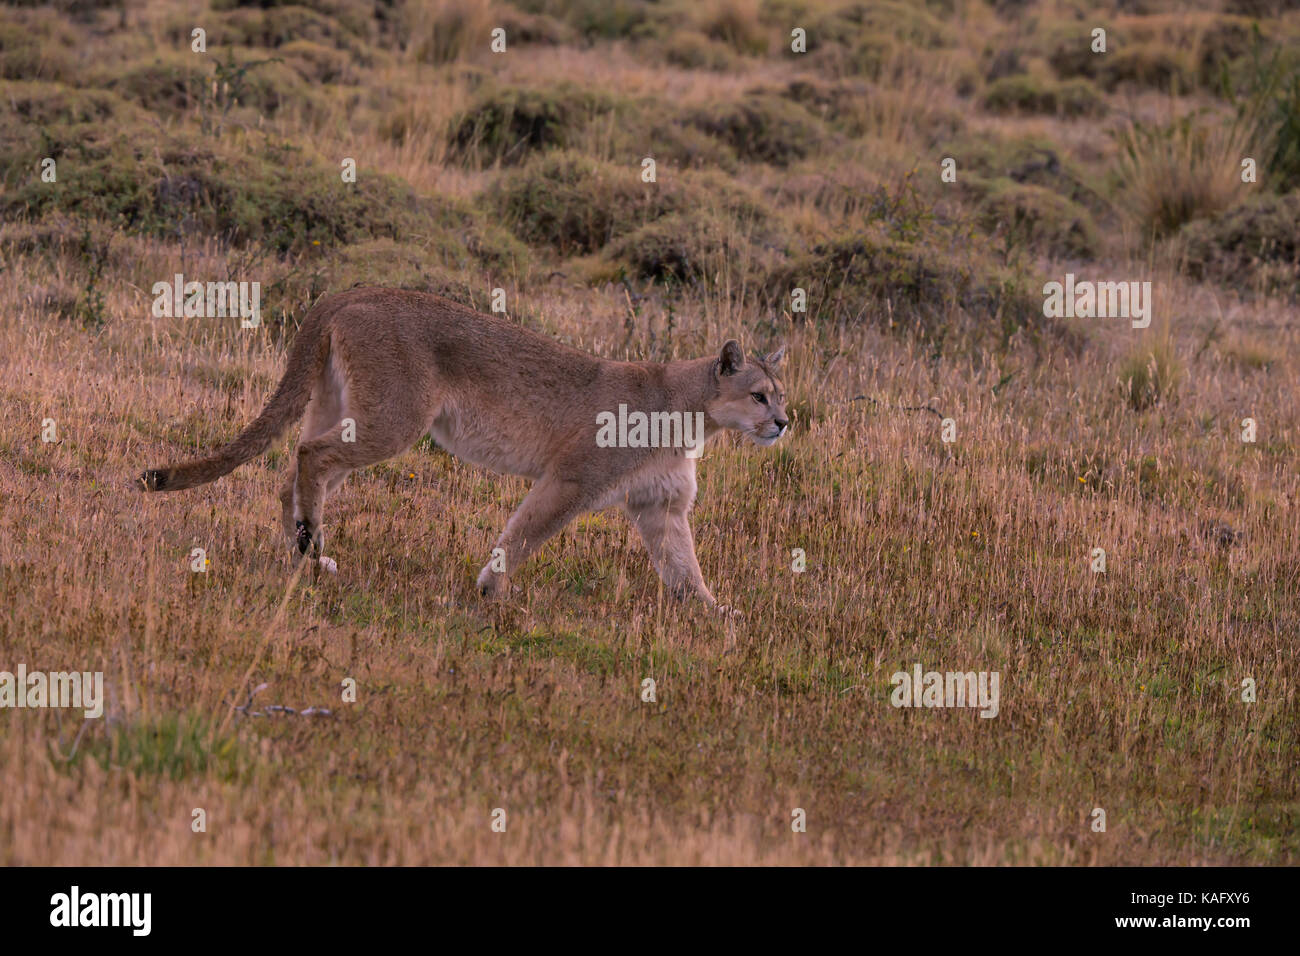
(257, 657)
(898, 408)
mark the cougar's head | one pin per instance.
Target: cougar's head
(751, 398)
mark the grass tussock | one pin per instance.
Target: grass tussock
(1182, 171)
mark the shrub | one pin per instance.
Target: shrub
(573, 204)
(1152, 66)
(608, 19)
(177, 82)
(1025, 94)
(170, 82)
(735, 23)
(104, 178)
(693, 51)
(683, 247)
(316, 63)
(507, 124)
(1253, 244)
(1270, 98)
(1025, 160)
(387, 262)
(462, 237)
(1040, 218)
(925, 282)
(36, 45)
(271, 26)
(910, 23)
(539, 28)
(252, 191)
(673, 143)
(1179, 51)
(260, 198)
(442, 31)
(761, 127)
(862, 38)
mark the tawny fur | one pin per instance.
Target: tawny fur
(401, 364)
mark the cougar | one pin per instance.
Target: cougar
(372, 370)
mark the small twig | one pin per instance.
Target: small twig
(75, 742)
(899, 408)
(1210, 336)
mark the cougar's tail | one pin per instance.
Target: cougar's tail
(306, 359)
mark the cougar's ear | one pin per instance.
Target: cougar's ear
(775, 358)
(732, 359)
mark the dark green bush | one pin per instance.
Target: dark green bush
(762, 127)
(1022, 93)
(572, 204)
(508, 124)
(1027, 160)
(1039, 218)
(926, 284)
(245, 190)
(1254, 245)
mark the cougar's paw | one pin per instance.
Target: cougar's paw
(727, 612)
(329, 564)
(492, 585)
(155, 479)
(308, 539)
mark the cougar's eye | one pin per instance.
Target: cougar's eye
(759, 397)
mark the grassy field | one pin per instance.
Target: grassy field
(522, 171)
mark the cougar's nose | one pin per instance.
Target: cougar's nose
(780, 423)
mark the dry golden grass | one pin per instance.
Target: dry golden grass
(1192, 170)
(1119, 690)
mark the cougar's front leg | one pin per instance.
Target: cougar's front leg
(666, 533)
(545, 510)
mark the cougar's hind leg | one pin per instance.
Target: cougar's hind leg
(327, 459)
(287, 498)
(323, 412)
(367, 412)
